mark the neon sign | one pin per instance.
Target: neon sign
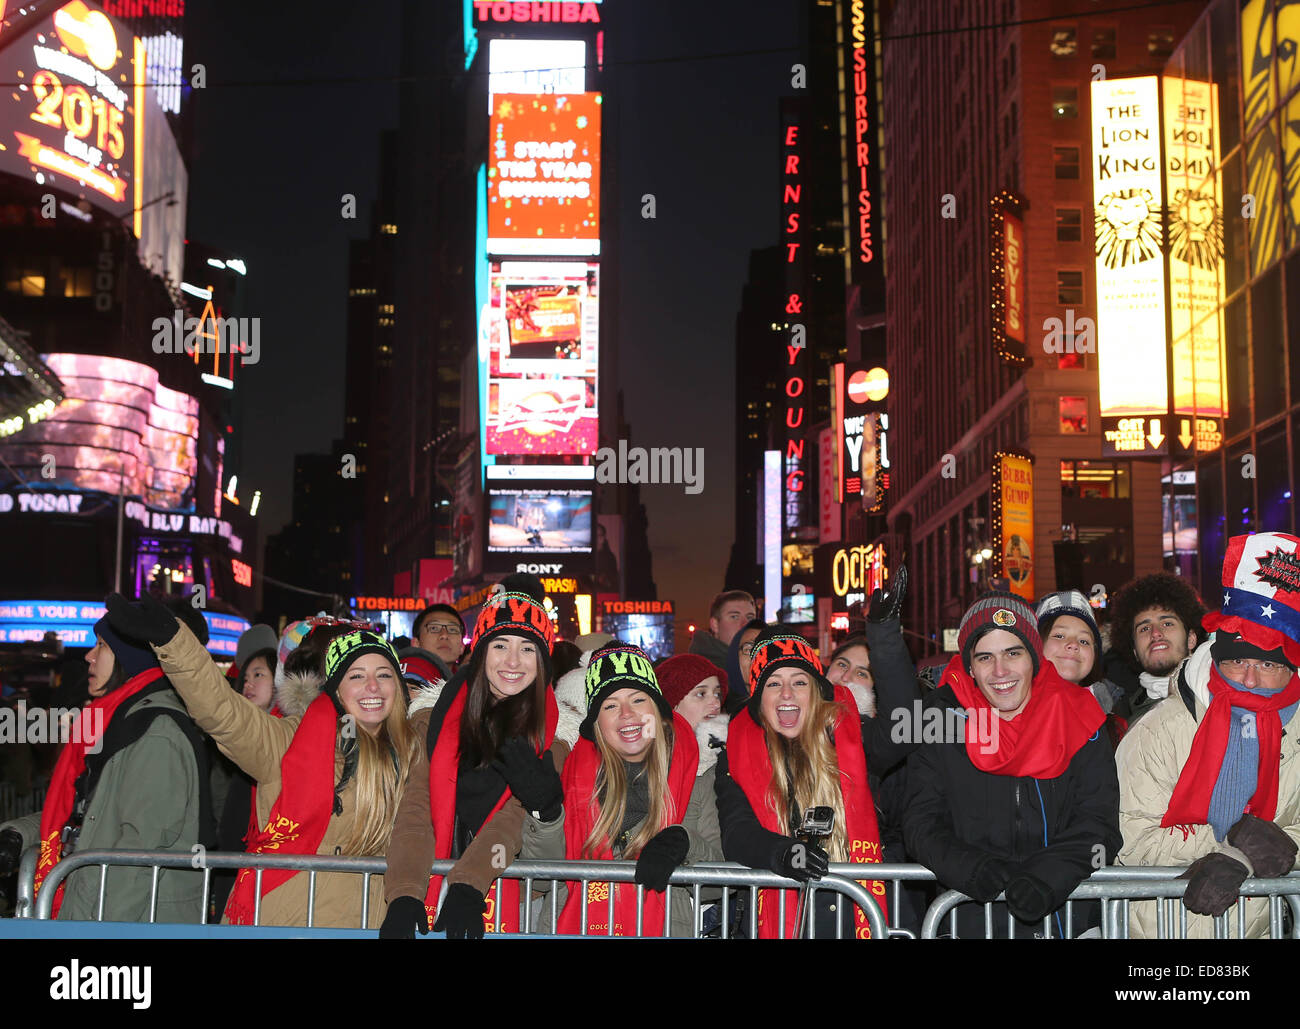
(796, 362)
(490, 11)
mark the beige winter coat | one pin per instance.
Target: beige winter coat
(256, 741)
(1150, 759)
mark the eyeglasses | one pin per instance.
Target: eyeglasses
(440, 629)
(1240, 664)
(747, 649)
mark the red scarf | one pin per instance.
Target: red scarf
(1190, 802)
(302, 811)
(579, 817)
(1038, 743)
(444, 769)
(750, 766)
(62, 791)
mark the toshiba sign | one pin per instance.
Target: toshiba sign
(637, 607)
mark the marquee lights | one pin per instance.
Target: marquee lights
(1007, 277)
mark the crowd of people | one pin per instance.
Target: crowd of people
(1042, 753)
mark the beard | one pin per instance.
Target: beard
(1163, 664)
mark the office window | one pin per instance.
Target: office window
(1065, 101)
(1073, 415)
(1065, 41)
(1069, 225)
(1103, 44)
(1065, 160)
(1069, 288)
(1160, 43)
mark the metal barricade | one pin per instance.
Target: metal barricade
(694, 878)
(1116, 887)
(25, 903)
(894, 875)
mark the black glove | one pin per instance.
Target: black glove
(661, 856)
(800, 861)
(990, 878)
(11, 852)
(1029, 898)
(1215, 882)
(151, 622)
(532, 779)
(406, 916)
(1271, 851)
(885, 606)
(461, 913)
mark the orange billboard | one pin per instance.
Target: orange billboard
(543, 176)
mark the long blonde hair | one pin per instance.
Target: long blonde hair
(610, 793)
(383, 764)
(808, 766)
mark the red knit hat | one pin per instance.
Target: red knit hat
(999, 611)
(679, 675)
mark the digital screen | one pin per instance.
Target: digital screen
(72, 123)
(542, 342)
(537, 66)
(543, 176)
(653, 633)
(799, 607)
(73, 621)
(117, 427)
(539, 519)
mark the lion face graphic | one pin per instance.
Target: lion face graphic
(1127, 228)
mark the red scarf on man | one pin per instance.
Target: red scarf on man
(302, 811)
(1038, 743)
(444, 770)
(750, 766)
(1190, 802)
(62, 791)
(580, 816)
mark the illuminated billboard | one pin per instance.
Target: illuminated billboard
(542, 325)
(1013, 520)
(73, 621)
(118, 427)
(72, 123)
(1127, 197)
(537, 66)
(1194, 188)
(539, 518)
(1007, 278)
(543, 176)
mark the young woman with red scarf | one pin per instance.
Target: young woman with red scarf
(798, 744)
(630, 793)
(133, 775)
(328, 780)
(482, 760)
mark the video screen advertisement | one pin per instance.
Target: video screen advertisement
(544, 526)
(543, 358)
(543, 175)
(74, 121)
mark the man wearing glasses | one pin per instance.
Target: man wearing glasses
(440, 630)
(1209, 778)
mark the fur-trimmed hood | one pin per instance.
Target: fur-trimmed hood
(294, 692)
(425, 697)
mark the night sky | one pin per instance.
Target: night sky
(699, 92)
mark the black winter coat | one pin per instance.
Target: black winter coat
(746, 841)
(956, 815)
